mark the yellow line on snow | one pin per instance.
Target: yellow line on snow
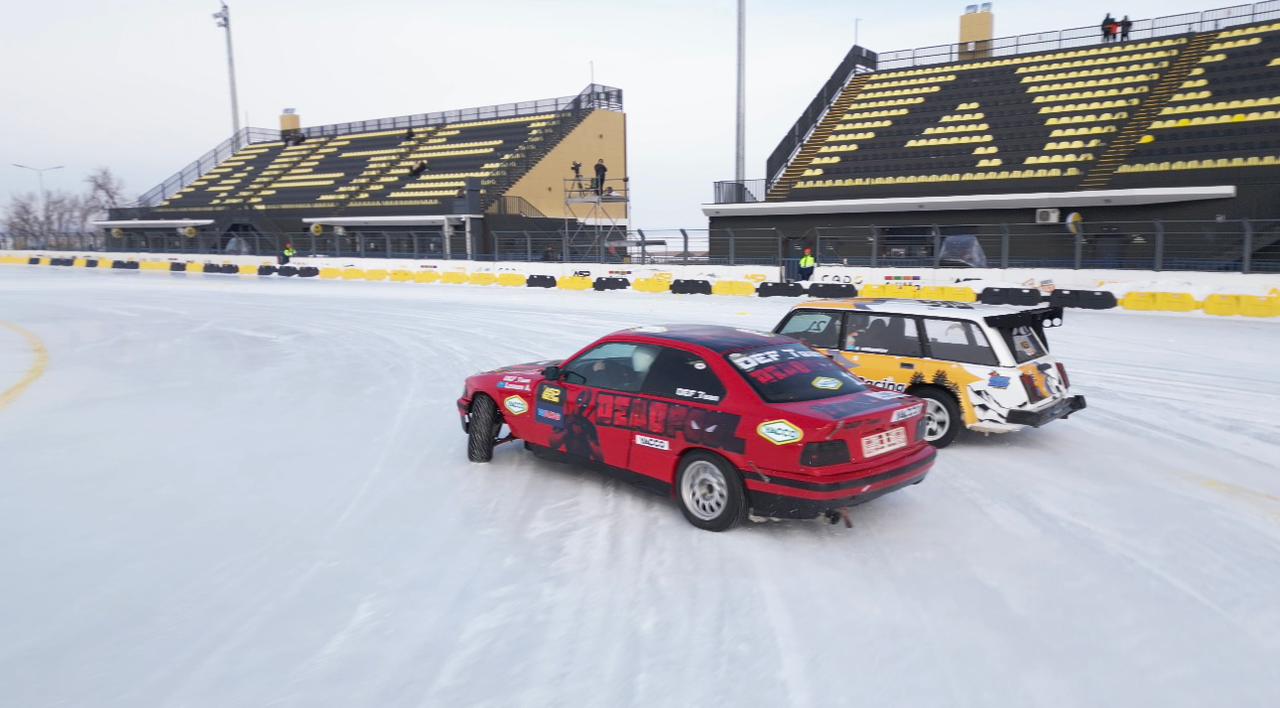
(37, 367)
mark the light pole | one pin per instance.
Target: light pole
(856, 21)
(40, 180)
(740, 149)
(223, 18)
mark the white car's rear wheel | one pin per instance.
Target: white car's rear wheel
(942, 416)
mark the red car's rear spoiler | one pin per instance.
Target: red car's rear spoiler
(1038, 319)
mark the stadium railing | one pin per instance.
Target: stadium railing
(1239, 245)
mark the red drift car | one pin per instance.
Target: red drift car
(726, 420)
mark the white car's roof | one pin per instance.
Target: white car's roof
(974, 311)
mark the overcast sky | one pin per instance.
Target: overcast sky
(141, 86)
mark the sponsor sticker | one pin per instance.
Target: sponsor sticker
(884, 395)
(904, 413)
(513, 386)
(995, 380)
(548, 414)
(826, 383)
(551, 394)
(516, 405)
(696, 394)
(779, 432)
(655, 443)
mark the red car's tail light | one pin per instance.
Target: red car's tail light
(823, 454)
(1033, 391)
(1062, 371)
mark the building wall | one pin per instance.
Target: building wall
(602, 134)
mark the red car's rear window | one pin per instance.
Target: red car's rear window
(792, 372)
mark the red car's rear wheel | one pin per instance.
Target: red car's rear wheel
(710, 492)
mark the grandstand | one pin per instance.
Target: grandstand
(456, 171)
(1181, 122)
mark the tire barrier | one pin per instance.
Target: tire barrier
(308, 272)
(541, 281)
(690, 287)
(65, 262)
(575, 282)
(211, 268)
(287, 271)
(651, 285)
(228, 269)
(33, 261)
(833, 290)
(1083, 299)
(602, 284)
(511, 280)
(118, 265)
(780, 290)
(1027, 297)
(177, 267)
(266, 270)
(90, 262)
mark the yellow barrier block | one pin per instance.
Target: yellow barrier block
(739, 288)
(330, 273)
(1138, 301)
(904, 292)
(1176, 302)
(247, 271)
(655, 284)
(932, 292)
(512, 280)
(375, 274)
(9, 260)
(482, 279)
(959, 294)
(104, 262)
(872, 291)
(426, 276)
(664, 276)
(574, 282)
(1257, 306)
(454, 278)
(80, 263)
(402, 276)
(45, 261)
(352, 274)
(1222, 305)
(154, 265)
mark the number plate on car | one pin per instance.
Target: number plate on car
(881, 443)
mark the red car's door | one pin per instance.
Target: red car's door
(677, 408)
(588, 411)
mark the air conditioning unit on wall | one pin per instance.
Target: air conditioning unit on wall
(1047, 216)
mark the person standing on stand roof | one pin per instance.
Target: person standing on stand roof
(1106, 27)
(601, 171)
(807, 264)
(286, 253)
(1125, 26)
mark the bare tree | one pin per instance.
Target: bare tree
(106, 191)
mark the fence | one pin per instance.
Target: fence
(1206, 21)
(1245, 245)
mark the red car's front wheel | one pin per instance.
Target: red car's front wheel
(710, 492)
(482, 428)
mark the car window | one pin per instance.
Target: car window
(817, 329)
(684, 376)
(881, 334)
(616, 366)
(953, 340)
(792, 372)
(1024, 344)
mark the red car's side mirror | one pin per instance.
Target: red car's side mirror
(551, 373)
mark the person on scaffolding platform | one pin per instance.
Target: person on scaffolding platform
(601, 171)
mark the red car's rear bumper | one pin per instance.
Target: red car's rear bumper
(793, 497)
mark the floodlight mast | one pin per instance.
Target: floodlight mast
(223, 18)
